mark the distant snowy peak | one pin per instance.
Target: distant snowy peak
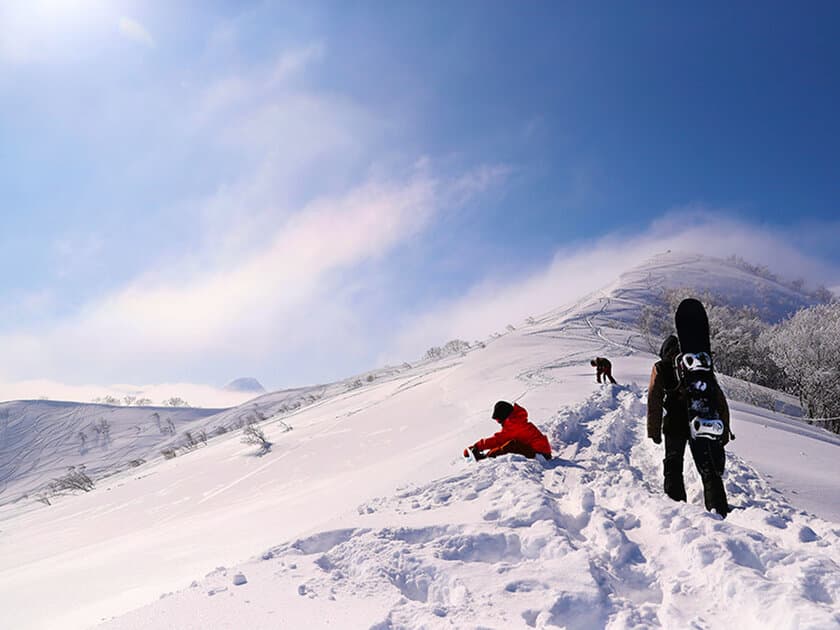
(245, 384)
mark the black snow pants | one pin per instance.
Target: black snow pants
(709, 458)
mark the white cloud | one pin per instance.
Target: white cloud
(295, 293)
(136, 32)
(261, 113)
(259, 248)
(329, 234)
(288, 143)
(254, 89)
(174, 311)
(479, 180)
(293, 62)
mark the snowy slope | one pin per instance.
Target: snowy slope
(585, 541)
(366, 516)
(40, 439)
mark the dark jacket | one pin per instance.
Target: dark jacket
(517, 427)
(667, 409)
(603, 365)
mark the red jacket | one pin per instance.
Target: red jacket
(517, 427)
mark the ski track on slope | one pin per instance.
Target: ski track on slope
(586, 540)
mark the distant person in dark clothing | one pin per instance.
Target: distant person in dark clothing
(517, 435)
(667, 414)
(603, 367)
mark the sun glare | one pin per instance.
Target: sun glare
(48, 30)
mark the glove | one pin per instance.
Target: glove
(475, 452)
(657, 439)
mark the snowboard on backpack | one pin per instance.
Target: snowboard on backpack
(695, 371)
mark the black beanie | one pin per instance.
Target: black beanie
(502, 410)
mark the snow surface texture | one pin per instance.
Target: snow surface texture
(387, 527)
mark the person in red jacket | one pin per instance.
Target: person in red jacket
(517, 435)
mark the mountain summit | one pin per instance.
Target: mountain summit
(735, 281)
(245, 384)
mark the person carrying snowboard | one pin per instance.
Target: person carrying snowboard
(603, 367)
(517, 435)
(667, 413)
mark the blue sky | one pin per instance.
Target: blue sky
(296, 190)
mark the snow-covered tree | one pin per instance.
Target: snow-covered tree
(189, 442)
(253, 434)
(655, 326)
(75, 479)
(806, 347)
(176, 401)
(735, 334)
(450, 348)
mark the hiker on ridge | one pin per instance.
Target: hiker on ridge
(603, 367)
(516, 436)
(667, 413)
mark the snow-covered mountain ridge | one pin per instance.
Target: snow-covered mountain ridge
(620, 303)
(366, 516)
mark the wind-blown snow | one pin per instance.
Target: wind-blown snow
(366, 516)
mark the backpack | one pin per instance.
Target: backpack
(675, 401)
